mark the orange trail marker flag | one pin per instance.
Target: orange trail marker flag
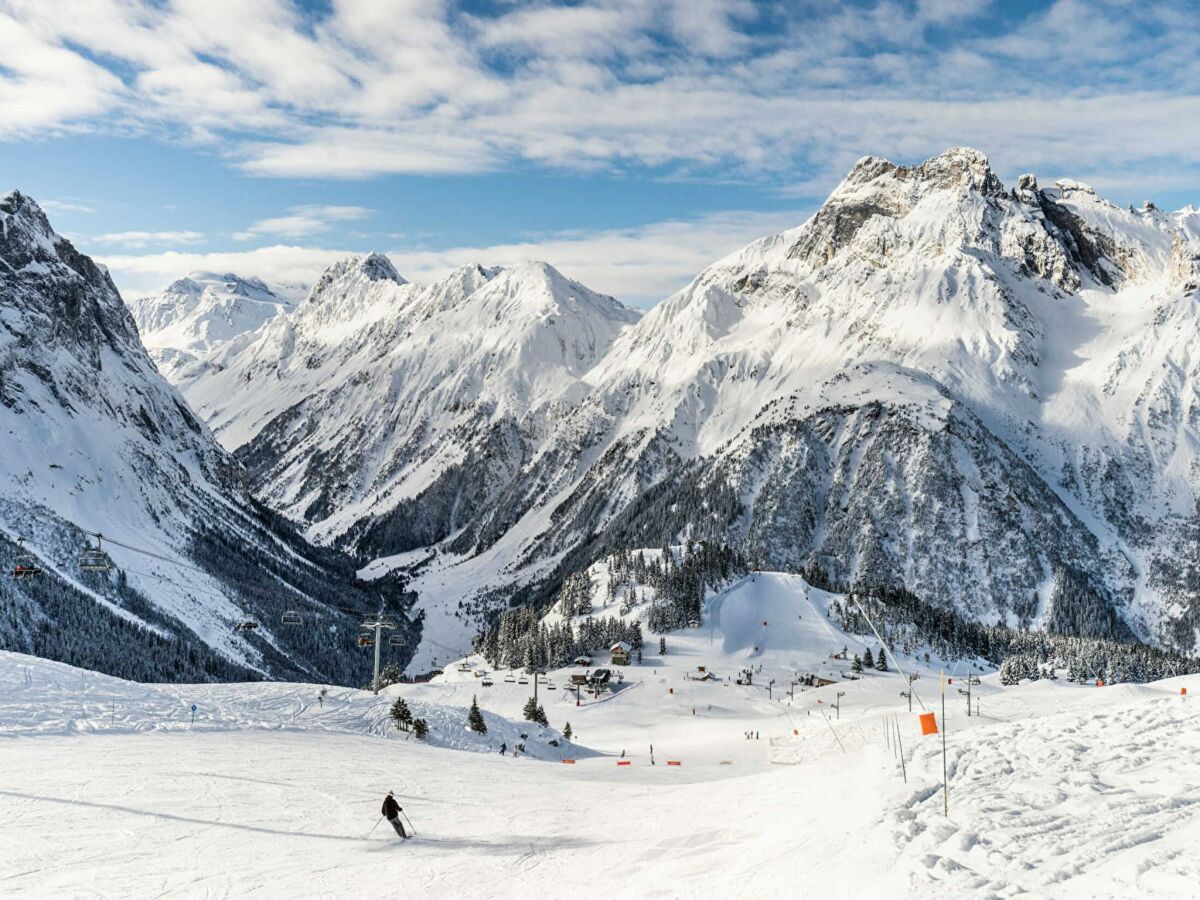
(928, 723)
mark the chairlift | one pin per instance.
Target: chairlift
(487, 682)
(522, 681)
(94, 559)
(395, 640)
(25, 565)
(366, 640)
(510, 679)
(246, 626)
(550, 686)
(291, 617)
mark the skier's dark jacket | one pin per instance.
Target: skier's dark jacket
(391, 808)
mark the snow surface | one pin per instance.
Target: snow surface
(1056, 790)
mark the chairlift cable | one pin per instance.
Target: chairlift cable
(244, 586)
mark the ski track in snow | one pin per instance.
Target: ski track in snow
(1057, 791)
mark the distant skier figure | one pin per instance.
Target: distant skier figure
(391, 811)
(503, 749)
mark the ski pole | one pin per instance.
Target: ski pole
(409, 821)
(376, 825)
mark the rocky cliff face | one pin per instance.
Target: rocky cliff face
(94, 438)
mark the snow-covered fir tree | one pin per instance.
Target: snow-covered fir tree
(475, 718)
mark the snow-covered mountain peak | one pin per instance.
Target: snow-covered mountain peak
(22, 214)
(537, 288)
(878, 188)
(29, 242)
(347, 273)
(200, 313)
(196, 283)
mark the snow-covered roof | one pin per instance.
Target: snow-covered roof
(620, 645)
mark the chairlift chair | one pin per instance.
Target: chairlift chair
(522, 681)
(366, 640)
(291, 617)
(550, 686)
(510, 679)
(94, 559)
(396, 640)
(487, 682)
(246, 626)
(25, 565)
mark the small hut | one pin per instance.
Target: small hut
(621, 653)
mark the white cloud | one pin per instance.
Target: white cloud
(637, 265)
(137, 239)
(302, 221)
(61, 206)
(775, 92)
(137, 275)
(46, 86)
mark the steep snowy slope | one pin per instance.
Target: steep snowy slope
(200, 313)
(94, 439)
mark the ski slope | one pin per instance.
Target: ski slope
(1056, 790)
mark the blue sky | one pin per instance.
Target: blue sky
(628, 142)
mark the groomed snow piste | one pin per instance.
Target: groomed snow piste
(1055, 790)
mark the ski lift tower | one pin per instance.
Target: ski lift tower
(378, 624)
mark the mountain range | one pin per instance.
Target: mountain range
(984, 394)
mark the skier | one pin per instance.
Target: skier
(391, 811)
(503, 749)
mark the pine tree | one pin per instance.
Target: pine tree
(662, 646)
(868, 660)
(881, 663)
(540, 714)
(1010, 671)
(856, 666)
(567, 731)
(401, 714)
(475, 718)
(529, 713)
(420, 729)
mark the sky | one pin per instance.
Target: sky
(629, 143)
